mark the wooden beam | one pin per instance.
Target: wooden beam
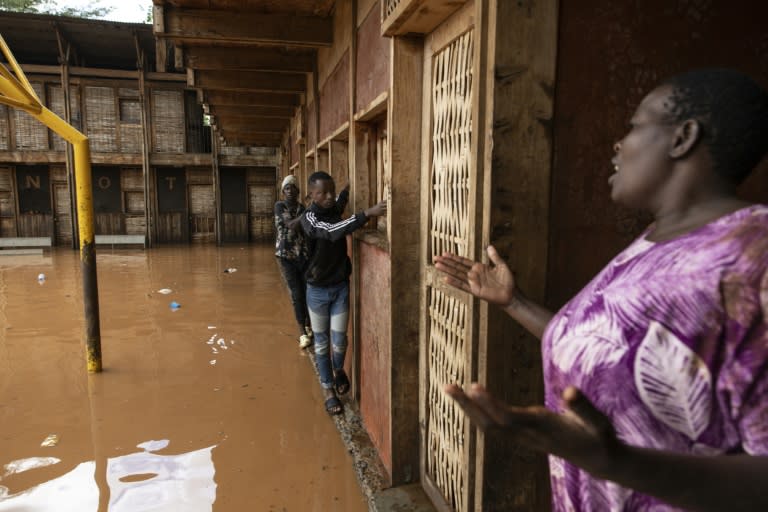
(248, 59)
(251, 111)
(249, 136)
(217, 97)
(253, 124)
(257, 81)
(75, 71)
(244, 27)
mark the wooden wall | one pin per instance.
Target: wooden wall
(108, 112)
(373, 58)
(374, 343)
(609, 57)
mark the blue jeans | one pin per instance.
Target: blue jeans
(329, 313)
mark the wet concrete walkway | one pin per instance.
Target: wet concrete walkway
(225, 406)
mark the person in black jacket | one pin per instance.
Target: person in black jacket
(291, 253)
(327, 275)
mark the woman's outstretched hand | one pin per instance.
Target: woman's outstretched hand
(495, 283)
(582, 434)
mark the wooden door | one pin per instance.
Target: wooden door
(449, 317)
(261, 203)
(172, 205)
(33, 186)
(202, 214)
(62, 219)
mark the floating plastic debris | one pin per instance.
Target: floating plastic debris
(221, 342)
(213, 362)
(153, 446)
(22, 465)
(164, 291)
(51, 440)
(230, 270)
(41, 278)
(214, 351)
(211, 327)
(175, 305)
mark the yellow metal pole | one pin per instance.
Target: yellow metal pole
(18, 92)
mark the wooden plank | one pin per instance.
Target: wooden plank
(80, 71)
(217, 97)
(248, 125)
(404, 155)
(248, 59)
(520, 76)
(253, 81)
(247, 27)
(418, 16)
(252, 111)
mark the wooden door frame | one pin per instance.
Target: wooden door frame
(465, 19)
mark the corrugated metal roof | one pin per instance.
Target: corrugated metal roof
(94, 43)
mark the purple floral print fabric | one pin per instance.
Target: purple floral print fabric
(670, 341)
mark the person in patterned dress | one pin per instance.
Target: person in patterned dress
(656, 373)
(291, 253)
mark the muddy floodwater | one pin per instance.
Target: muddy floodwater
(208, 407)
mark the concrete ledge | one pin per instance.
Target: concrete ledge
(371, 474)
(21, 252)
(120, 240)
(20, 242)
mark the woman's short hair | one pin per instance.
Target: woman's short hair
(732, 110)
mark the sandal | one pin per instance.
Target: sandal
(333, 406)
(341, 382)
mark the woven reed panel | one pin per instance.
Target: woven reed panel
(101, 118)
(445, 428)
(5, 138)
(201, 201)
(451, 133)
(261, 201)
(390, 6)
(130, 125)
(200, 176)
(449, 231)
(56, 104)
(132, 179)
(5, 179)
(168, 121)
(134, 202)
(31, 134)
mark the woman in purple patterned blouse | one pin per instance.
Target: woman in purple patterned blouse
(656, 373)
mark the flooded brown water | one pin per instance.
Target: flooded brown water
(211, 407)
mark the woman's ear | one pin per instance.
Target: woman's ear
(686, 136)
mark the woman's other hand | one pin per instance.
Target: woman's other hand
(581, 435)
